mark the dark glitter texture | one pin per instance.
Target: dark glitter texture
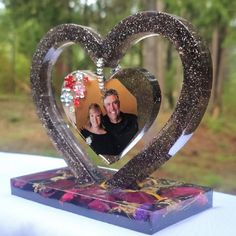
(186, 117)
(145, 88)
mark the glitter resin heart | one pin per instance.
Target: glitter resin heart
(189, 110)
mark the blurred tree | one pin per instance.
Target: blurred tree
(7, 53)
(219, 14)
(28, 21)
(35, 18)
(149, 49)
(154, 49)
(214, 19)
(24, 22)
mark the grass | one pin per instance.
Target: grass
(20, 128)
(208, 159)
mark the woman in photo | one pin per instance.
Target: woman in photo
(95, 135)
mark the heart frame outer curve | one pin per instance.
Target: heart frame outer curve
(189, 110)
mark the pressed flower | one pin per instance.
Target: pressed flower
(38, 187)
(19, 183)
(69, 82)
(76, 102)
(87, 194)
(61, 184)
(99, 205)
(36, 177)
(134, 197)
(142, 212)
(126, 208)
(180, 191)
(86, 79)
(67, 197)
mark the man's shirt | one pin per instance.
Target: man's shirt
(124, 131)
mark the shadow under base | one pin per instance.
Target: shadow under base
(157, 203)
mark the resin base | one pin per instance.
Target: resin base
(156, 204)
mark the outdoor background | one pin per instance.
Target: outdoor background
(209, 158)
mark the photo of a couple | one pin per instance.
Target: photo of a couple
(109, 134)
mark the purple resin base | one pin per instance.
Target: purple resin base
(157, 204)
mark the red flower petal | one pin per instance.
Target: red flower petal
(69, 82)
(99, 205)
(135, 197)
(180, 192)
(86, 79)
(67, 197)
(76, 102)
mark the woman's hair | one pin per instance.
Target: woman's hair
(95, 107)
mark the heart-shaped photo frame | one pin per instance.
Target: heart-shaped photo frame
(189, 110)
(139, 94)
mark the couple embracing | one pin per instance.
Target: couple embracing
(111, 133)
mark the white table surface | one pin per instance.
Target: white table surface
(19, 216)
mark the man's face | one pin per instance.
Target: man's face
(112, 107)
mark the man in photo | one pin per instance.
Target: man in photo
(123, 126)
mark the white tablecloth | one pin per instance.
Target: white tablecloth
(19, 216)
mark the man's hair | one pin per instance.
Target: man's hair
(110, 92)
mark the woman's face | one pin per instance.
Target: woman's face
(95, 118)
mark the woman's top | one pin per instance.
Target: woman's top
(100, 143)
